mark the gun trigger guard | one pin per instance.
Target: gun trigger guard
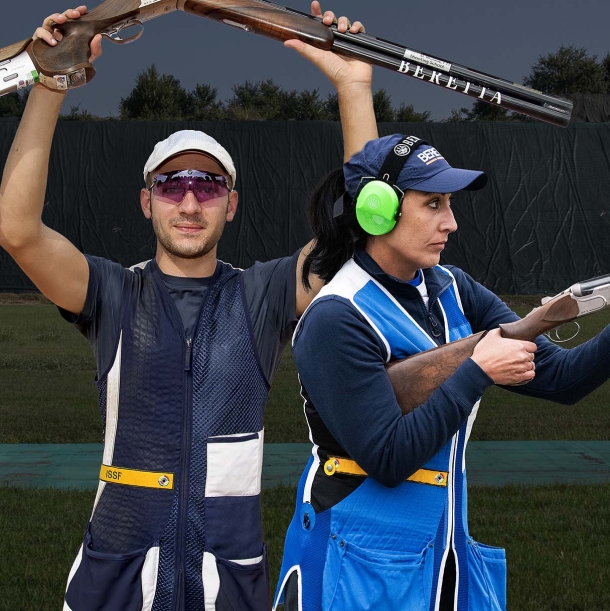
(557, 339)
(114, 34)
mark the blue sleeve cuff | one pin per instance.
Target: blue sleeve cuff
(468, 383)
(81, 319)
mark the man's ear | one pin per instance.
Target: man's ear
(232, 207)
(145, 203)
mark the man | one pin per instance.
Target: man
(186, 347)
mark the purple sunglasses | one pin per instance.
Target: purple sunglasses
(173, 187)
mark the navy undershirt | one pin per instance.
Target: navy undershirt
(188, 294)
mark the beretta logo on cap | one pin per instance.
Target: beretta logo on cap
(404, 146)
(402, 149)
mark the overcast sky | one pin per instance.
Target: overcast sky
(501, 38)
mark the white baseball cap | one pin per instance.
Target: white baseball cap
(185, 141)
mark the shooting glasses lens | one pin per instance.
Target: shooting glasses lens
(172, 188)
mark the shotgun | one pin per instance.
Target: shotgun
(416, 377)
(66, 65)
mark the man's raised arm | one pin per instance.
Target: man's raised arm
(352, 79)
(51, 262)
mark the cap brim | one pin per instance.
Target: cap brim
(181, 152)
(451, 180)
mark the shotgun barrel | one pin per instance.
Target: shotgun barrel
(454, 70)
(542, 111)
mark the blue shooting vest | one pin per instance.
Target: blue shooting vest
(176, 524)
(386, 548)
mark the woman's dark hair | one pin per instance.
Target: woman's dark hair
(336, 239)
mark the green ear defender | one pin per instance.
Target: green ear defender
(377, 207)
(378, 199)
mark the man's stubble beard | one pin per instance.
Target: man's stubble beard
(201, 246)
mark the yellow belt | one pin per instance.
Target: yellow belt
(345, 465)
(132, 477)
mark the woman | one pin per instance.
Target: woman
(381, 513)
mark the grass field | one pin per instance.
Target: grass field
(557, 546)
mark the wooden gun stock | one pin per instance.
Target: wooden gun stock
(415, 378)
(553, 314)
(72, 54)
(67, 65)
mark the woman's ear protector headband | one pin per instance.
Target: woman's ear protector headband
(378, 199)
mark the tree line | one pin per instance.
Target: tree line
(161, 97)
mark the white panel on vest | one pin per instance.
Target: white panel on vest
(150, 572)
(293, 569)
(235, 465)
(211, 581)
(113, 390)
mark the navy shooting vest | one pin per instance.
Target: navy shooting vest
(176, 524)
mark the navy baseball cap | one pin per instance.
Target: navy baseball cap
(426, 169)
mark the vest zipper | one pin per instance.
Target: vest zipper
(180, 588)
(432, 324)
(180, 591)
(189, 350)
